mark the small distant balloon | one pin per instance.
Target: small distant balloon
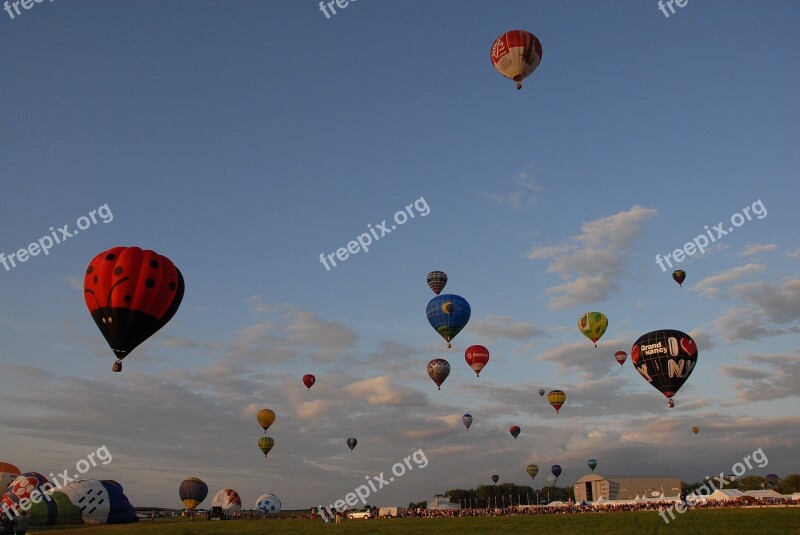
(593, 325)
(438, 370)
(467, 419)
(592, 464)
(309, 380)
(265, 444)
(679, 276)
(556, 399)
(621, 357)
(773, 479)
(495, 479)
(351, 443)
(541, 391)
(477, 357)
(515, 431)
(695, 430)
(437, 280)
(516, 54)
(556, 470)
(532, 470)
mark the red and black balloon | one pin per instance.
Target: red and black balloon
(131, 293)
(665, 359)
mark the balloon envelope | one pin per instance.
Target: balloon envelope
(351, 443)
(228, 500)
(592, 464)
(265, 444)
(556, 399)
(541, 391)
(448, 314)
(437, 281)
(556, 470)
(8, 473)
(621, 357)
(192, 492)
(772, 479)
(665, 359)
(516, 54)
(266, 418)
(515, 431)
(477, 357)
(438, 370)
(309, 380)
(593, 325)
(467, 419)
(679, 276)
(268, 503)
(495, 478)
(131, 293)
(532, 470)
(695, 430)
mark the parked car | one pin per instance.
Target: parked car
(359, 514)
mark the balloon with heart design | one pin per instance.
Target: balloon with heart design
(665, 358)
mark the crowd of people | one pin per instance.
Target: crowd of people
(15, 525)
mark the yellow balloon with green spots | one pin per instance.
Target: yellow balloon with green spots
(593, 325)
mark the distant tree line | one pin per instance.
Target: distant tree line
(787, 485)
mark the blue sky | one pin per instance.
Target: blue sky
(243, 139)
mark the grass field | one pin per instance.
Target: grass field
(768, 521)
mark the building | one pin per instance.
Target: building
(440, 501)
(591, 487)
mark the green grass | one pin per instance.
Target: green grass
(767, 521)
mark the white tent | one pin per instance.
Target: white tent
(762, 494)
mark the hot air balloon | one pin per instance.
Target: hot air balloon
(695, 430)
(592, 464)
(192, 492)
(772, 479)
(556, 470)
(265, 418)
(437, 281)
(516, 54)
(556, 399)
(265, 444)
(227, 500)
(495, 479)
(467, 419)
(131, 294)
(532, 470)
(268, 503)
(448, 314)
(541, 391)
(515, 431)
(551, 479)
(351, 443)
(309, 380)
(679, 276)
(8, 473)
(665, 359)
(438, 370)
(593, 325)
(23, 487)
(621, 357)
(476, 357)
(98, 501)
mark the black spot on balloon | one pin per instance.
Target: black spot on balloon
(127, 298)
(95, 279)
(89, 270)
(154, 264)
(172, 286)
(110, 256)
(118, 270)
(150, 282)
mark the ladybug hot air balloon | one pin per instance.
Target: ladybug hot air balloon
(192, 491)
(266, 418)
(515, 431)
(438, 370)
(131, 293)
(437, 280)
(495, 479)
(621, 357)
(665, 359)
(265, 444)
(516, 54)
(556, 398)
(309, 380)
(467, 419)
(679, 276)
(593, 325)
(351, 443)
(477, 357)
(448, 314)
(532, 470)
